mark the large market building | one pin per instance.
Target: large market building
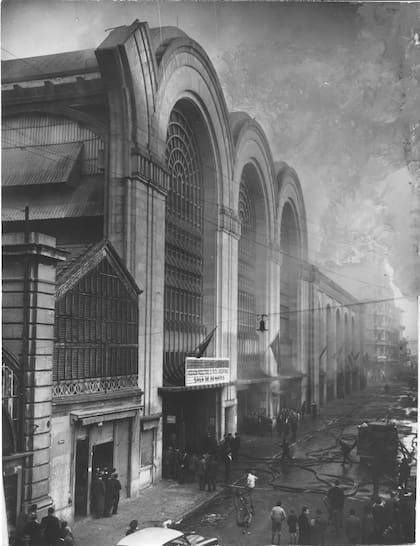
(139, 217)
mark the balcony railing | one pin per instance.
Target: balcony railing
(94, 385)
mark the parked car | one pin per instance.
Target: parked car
(162, 536)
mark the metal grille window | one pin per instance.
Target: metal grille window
(96, 328)
(183, 244)
(10, 394)
(247, 336)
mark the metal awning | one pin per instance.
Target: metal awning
(36, 165)
(90, 417)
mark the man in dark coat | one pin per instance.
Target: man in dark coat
(335, 499)
(98, 496)
(108, 495)
(50, 525)
(318, 528)
(286, 451)
(211, 473)
(115, 486)
(32, 530)
(304, 527)
(236, 444)
(201, 472)
(379, 520)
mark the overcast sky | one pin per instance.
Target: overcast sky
(321, 78)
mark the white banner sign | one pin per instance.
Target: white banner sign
(206, 371)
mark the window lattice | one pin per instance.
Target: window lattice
(10, 394)
(247, 336)
(183, 243)
(96, 328)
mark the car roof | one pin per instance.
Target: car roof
(151, 536)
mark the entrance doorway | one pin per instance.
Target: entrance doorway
(103, 457)
(81, 477)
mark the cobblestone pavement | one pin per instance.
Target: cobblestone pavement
(170, 500)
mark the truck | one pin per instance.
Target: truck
(378, 443)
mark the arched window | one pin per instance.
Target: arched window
(183, 314)
(247, 336)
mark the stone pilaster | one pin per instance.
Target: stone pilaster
(227, 304)
(28, 306)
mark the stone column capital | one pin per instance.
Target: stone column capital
(229, 222)
(149, 170)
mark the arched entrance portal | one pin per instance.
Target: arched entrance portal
(253, 396)
(190, 262)
(289, 317)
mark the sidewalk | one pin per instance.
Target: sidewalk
(157, 503)
(170, 500)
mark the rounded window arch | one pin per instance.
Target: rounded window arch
(190, 251)
(289, 277)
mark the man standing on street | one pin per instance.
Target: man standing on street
(51, 527)
(250, 486)
(345, 451)
(304, 527)
(236, 444)
(286, 451)
(335, 498)
(115, 492)
(292, 522)
(277, 516)
(201, 472)
(211, 473)
(318, 529)
(32, 530)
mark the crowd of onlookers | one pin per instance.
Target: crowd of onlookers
(50, 531)
(183, 466)
(382, 521)
(105, 493)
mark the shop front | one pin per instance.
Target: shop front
(102, 444)
(193, 412)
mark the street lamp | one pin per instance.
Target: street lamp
(261, 327)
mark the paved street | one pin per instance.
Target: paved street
(317, 463)
(306, 481)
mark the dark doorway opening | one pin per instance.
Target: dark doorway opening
(189, 417)
(81, 481)
(103, 457)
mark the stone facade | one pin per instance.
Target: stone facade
(123, 103)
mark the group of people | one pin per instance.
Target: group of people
(49, 532)
(382, 521)
(185, 467)
(105, 493)
(287, 423)
(302, 529)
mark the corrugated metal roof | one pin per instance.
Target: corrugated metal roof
(32, 165)
(54, 202)
(49, 66)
